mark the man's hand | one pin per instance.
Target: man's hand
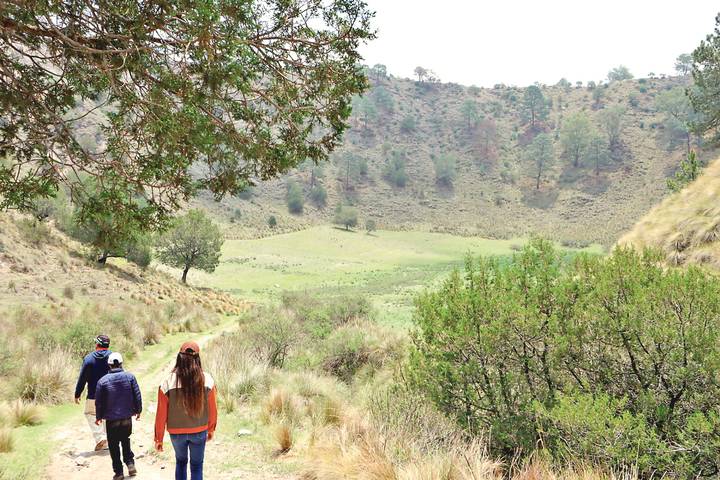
(210, 435)
(98, 422)
(137, 417)
(159, 446)
(77, 400)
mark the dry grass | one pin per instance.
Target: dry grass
(6, 440)
(284, 437)
(47, 381)
(686, 225)
(22, 414)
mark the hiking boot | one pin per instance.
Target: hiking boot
(118, 476)
(101, 445)
(132, 471)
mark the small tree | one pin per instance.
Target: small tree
(534, 104)
(394, 170)
(683, 63)
(680, 116)
(193, 241)
(318, 195)
(611, 121)
(408, 124)
(470, 114)
(346, 216)
(445, 170)
(619, 73)
(379, 72)
(690, 169)
(382, 98)
(540, 153)
(597, 152)
(370, 226)
(421, 73)
(487, 139)
(272, 221)
(575, 137)
(294, 197)
(598, 94)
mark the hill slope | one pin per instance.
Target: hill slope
(686, 225)
(494, 191)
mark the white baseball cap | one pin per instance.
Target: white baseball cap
(115, 358)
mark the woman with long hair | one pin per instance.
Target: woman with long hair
(187, 408)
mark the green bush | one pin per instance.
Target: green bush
(515, 349)
(295, 199)
(34, 231)
(318, 195)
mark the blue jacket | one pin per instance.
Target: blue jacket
(117, 396)
(94, 367)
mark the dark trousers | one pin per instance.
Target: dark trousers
(118, 434)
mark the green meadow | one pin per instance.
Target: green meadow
(390, 267)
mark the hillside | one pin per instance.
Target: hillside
(686, 226)
(494, 191)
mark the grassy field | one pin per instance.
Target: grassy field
(390, 267)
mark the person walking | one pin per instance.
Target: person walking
(117, 399)
(187, 408)
(94, 367)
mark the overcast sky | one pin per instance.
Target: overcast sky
(519, 42)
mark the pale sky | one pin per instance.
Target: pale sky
(519, 42)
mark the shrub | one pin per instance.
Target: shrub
(346, 216)
(370, 225)
(445, 170)
(68, 292)
(33, 231)
(532, 328)
(272, 221)
(271, 337)
(408, 124)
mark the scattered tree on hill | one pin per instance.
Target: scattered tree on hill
(394, 170)
(611, 121)
(445, 169)
(365, 111)
(346, 216)
(180, 108)
(382, 98)
(680, 116)
(540, 152)
(598, 94)
(421, 73)
(193, 241)
(352, 168)
(318, 195)
(487, 139)
(272, 221)
(470, 114)
(295, 198)
(597, 152)
(408, 124)
(575, 136)
(379, 72)
(683, 63)
(619, 73)
(564, 83)
(706, 76)
(474, 90)
(370, 226)
(534, 104)
(591, 85)
(689, 171)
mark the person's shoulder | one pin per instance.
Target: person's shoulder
(166, 384)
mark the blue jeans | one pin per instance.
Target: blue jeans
(195, 444)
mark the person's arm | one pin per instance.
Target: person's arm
(212, 412)
(100, 402)
(137, 396)
(82, 380)
(160, 419)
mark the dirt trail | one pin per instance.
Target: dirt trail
(76, 460)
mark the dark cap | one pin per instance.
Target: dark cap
(102, 341)
(190, 348)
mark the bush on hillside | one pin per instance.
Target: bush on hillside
(295, 199)
(318, 195)
(608, 358)
(346, 216)
(445, 170)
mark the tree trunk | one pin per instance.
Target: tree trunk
(537, 185)
(185, 272)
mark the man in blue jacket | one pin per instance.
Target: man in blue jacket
(117, 399)
(94, 367)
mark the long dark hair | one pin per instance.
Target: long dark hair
(191, 380)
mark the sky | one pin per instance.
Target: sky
(520, 42)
